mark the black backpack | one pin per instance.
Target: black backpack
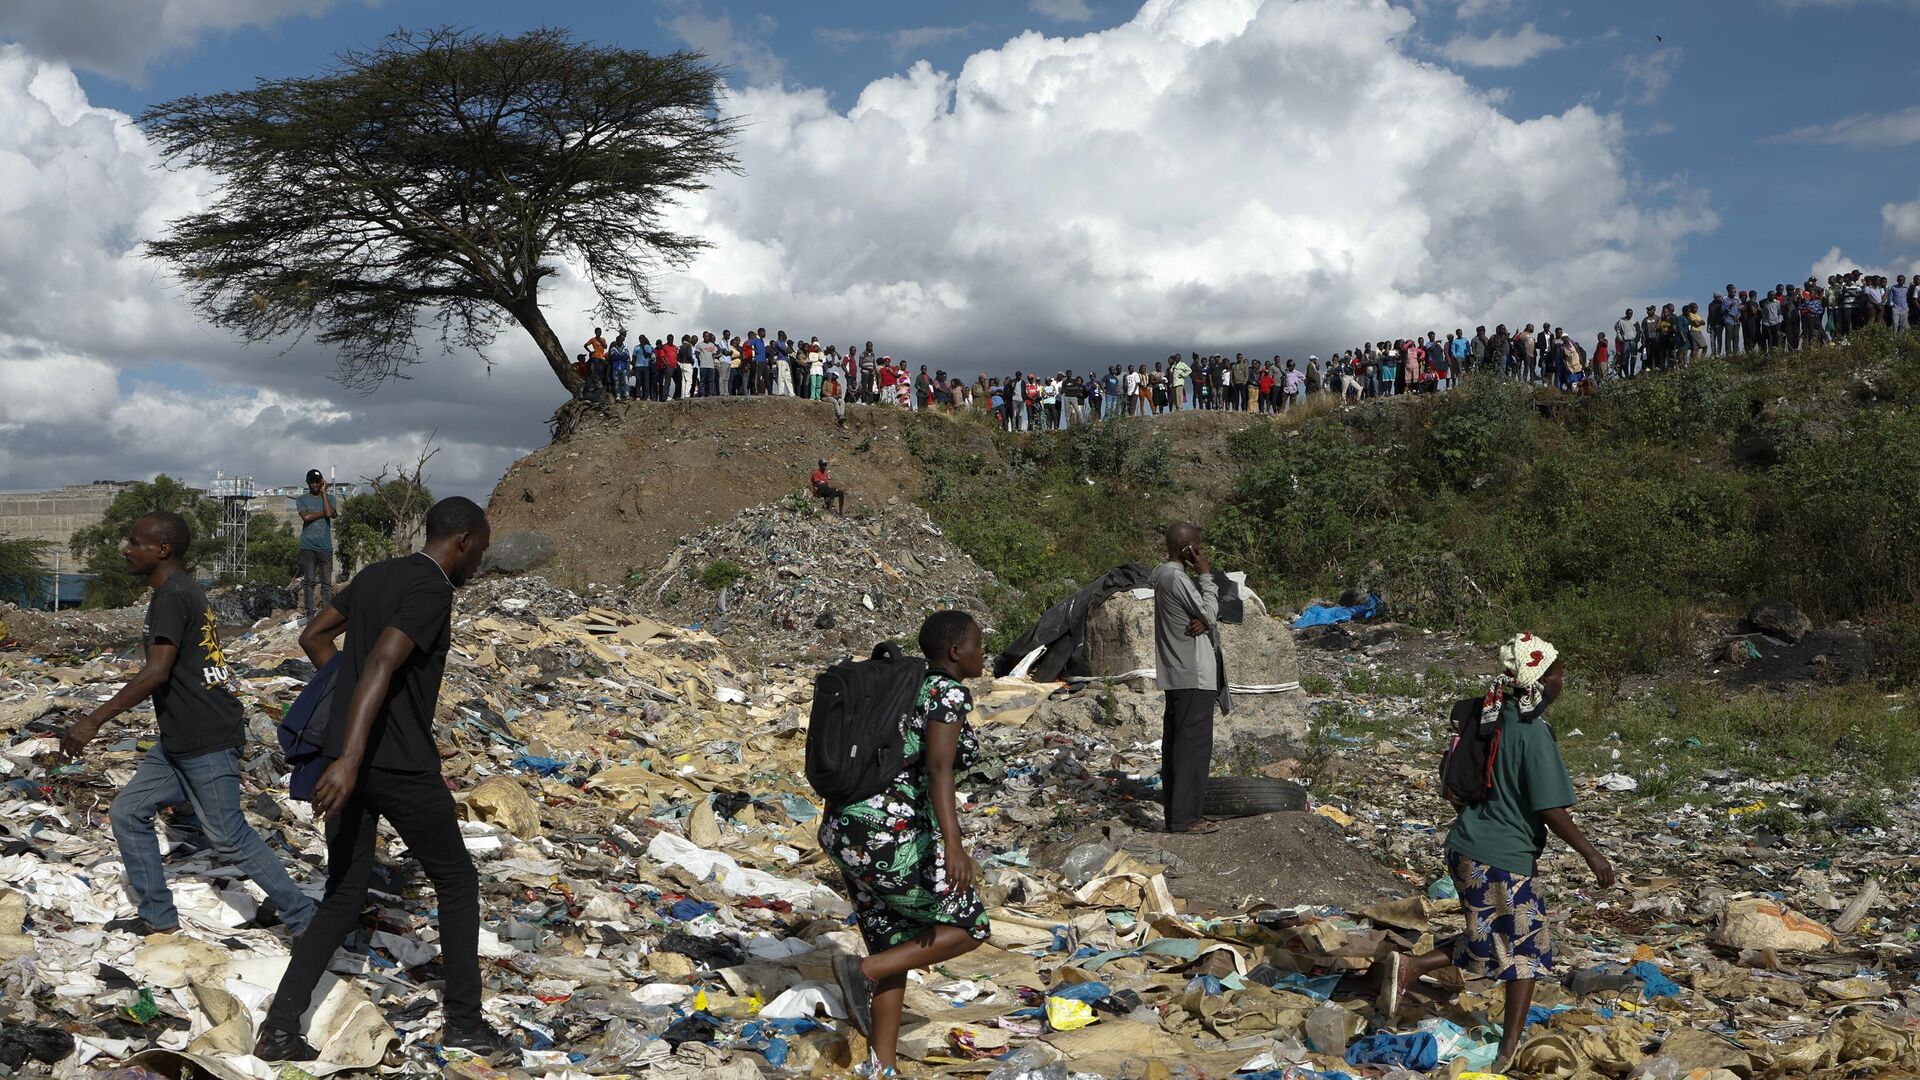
(1466, 769)
(855, 734)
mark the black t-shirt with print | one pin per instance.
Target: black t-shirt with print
(414, 596)
(197, 710)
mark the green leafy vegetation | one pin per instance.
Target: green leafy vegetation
(721, 573)
(1044, 512)
(97, 547)
(23, 567)
(1672, 737)
(1607, 523)
(381, 523)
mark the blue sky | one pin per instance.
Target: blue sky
(1003, 183)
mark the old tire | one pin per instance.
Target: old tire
(1246, 796)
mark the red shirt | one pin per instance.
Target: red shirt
(820, 477)
(668, 355)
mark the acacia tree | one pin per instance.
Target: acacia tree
(438, 178)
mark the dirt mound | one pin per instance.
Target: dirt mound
(790, 581)
(1284, 859)
(72, 633)
(617, 496)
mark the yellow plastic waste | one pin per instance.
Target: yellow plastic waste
(1335, 814)
(1751, 808)
(1066, 1014)
(700, 1001)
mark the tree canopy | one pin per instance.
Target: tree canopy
(383, 521)
(438, 178)
(23, 567)
(97, 546)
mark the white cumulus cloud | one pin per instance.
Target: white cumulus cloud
(1210, 174)
(1902, 222)
(1501, 49)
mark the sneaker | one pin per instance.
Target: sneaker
(278, 1045)
(856, 990)
(482, 1041)
(134, 924)
(1388, 1001)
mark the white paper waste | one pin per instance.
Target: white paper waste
(737, 880)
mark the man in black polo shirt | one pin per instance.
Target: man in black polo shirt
(202, 727)
(397, 617)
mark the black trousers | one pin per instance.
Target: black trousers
(1186, 752)
(421, 810)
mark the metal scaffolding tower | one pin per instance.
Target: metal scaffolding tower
(236, 496)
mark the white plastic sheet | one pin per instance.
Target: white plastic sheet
(737, 880)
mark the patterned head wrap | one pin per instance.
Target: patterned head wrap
(1524, 661)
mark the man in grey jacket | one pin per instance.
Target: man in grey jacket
(1188, 666)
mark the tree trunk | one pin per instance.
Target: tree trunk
(534, 321)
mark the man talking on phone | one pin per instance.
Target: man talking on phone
(1188, 667)
(397, 618)
(317, 511)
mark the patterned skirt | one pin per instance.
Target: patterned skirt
(1508, 938)
(890, 853)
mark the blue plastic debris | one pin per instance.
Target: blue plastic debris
(689, 910)
(1415, 1050)
(1086, 991)
(1328, 614)
(545, 766)
(1657, 985)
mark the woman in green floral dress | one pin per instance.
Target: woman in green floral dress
(906, 869)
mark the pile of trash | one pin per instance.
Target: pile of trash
(70, 632)
(792, 581)
(655, 903)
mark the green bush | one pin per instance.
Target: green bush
(721, 573)
(1470, 437)
(1043, 513)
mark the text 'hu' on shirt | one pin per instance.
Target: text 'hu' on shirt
(196, 708)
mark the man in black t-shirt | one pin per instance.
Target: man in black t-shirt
(397, 617)
(202, 727)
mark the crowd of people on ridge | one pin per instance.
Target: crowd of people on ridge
(1658, 339)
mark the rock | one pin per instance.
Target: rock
(516, 553)
(1259, 650)
(1781, 619)
(501, 800)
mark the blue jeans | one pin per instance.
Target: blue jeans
(210, 783)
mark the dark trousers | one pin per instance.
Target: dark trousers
(1186, 752)
(421, 810)
(316, 571)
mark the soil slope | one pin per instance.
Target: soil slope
(620, 493)
(617, 496)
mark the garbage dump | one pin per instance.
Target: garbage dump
(792, 582)
(655, 903)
